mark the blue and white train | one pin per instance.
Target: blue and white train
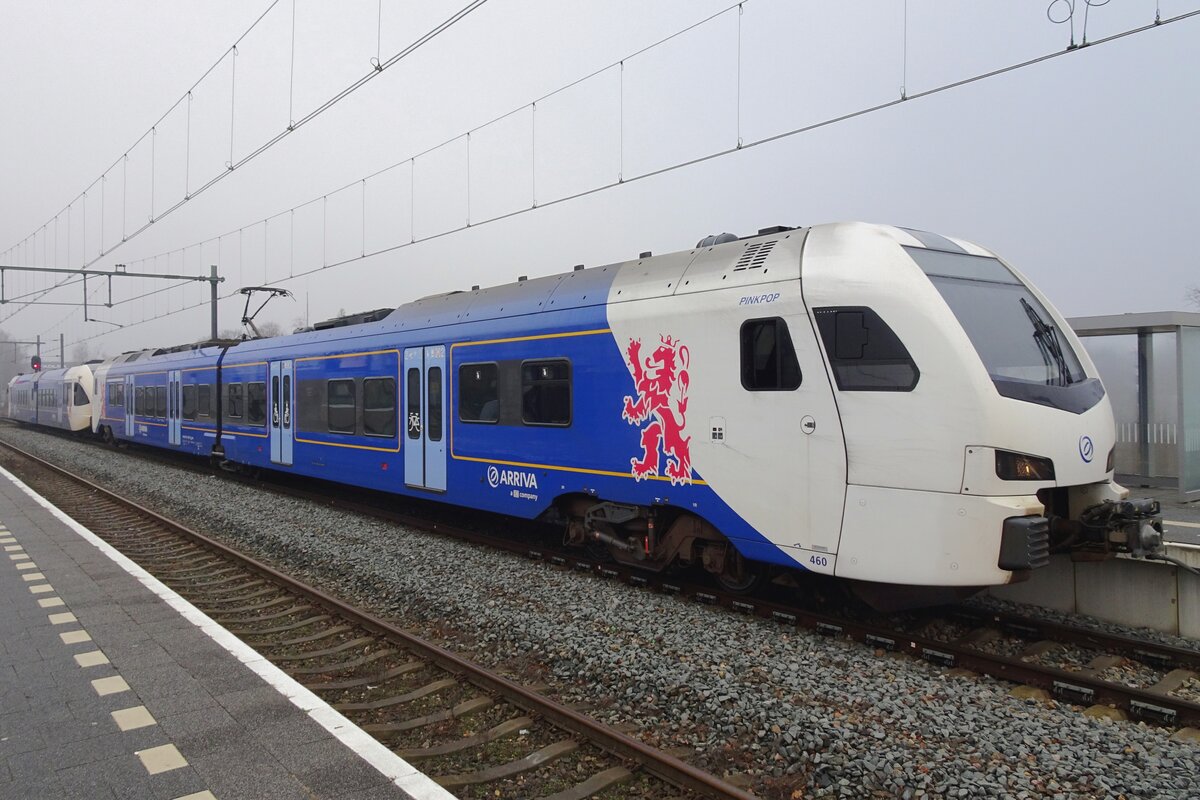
(888, 406)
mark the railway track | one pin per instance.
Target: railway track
(1104, 672)
(476, 732)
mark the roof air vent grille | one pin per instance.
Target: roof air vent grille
(754, 255)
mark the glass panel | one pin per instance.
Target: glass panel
(275, 411)
(1189, 424)
(233, 401)
(287, 401)
(434, 379)
(478, 393)
(379, 407)
(189, 402)
(342, 404)
(256, 403)
(413, 403)
(546, 392)
(204, 403)
(1011, 330)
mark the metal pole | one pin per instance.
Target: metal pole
(212, 285)
(62, 351)
(38, 343)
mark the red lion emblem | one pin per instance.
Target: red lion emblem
(662, 382)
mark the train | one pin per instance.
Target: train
(900, 411)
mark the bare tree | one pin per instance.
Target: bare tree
(1194, 296)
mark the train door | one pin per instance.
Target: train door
(64, 404)
(425, 417)
(281, 412)
(130, 407)
(174, 407)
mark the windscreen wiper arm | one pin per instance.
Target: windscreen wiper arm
(1046, 337)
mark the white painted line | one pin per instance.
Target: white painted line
(27, 565)
(63, 618)
(1178, 524)
(51, 602)
(41, 588)
(13, 548)
(75, 637)
(33, 576)
(18, 556)
(205, 795)
(397, 770)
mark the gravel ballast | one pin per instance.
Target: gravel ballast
(804, 715)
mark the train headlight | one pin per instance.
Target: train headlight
(1112, 459)
(1022, 467)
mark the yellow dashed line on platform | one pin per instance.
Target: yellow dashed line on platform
(27, 565)
(62, 619)
(75, 637)
(33, 576)
(51, 602)
(41, 588)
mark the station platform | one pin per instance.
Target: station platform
(112, 686)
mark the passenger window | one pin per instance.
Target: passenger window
(189, 402)
(161, 393)
(256, 403)
(478, 393)
(413, 404)
(864, 353)
(379, 407)
(233, 401)
(434, 394)
(81, 398)
(341, 406)
(546, 392)
(768, 357)
(204, 401)
(139, 401)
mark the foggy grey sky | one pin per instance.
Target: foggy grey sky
(1082, 170)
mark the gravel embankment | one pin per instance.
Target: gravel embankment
(805, 715)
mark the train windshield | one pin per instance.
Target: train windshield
(1011, 330)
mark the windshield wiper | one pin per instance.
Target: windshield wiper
(1046, 336)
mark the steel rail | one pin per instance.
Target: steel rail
(654, 761)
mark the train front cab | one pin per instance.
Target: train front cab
(993, 408)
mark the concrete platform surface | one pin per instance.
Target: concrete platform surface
(111, 686)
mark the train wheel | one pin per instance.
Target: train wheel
(739, 575)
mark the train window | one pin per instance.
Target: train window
(81, 398)
(546, 392)
(139, 400)
(233, 401)
(768, 357)
(341, 405)
(189, 402)
(413, 420)
(379, 407)
(161, 395)
(256, 403)
(478, 393)
(864, 352)
(433, 380)
(203, 400)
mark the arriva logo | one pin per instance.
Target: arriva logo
(1086, 449)
(511, 477)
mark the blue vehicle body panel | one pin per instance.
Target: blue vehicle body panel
(518, 470)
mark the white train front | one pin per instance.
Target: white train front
(882, 405)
